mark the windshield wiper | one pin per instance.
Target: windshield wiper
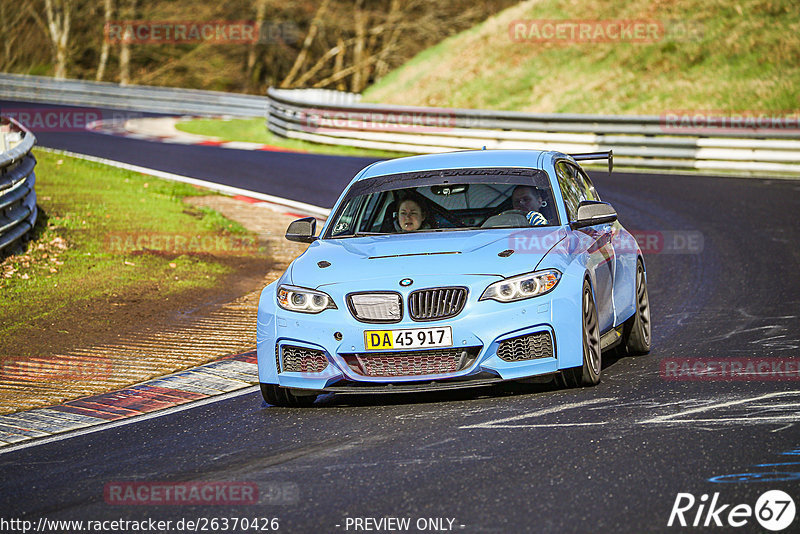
(366, 234)
(457, 228)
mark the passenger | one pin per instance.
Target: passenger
(410, 215)
(529, 201)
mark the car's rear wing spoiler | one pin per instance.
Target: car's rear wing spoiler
(609, 155)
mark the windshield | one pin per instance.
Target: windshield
(445, 200)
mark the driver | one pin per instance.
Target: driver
(410, 215)
(529, 201)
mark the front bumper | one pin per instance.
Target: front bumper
(481, 328)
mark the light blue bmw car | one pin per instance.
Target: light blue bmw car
(451, 271)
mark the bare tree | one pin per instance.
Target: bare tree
(347, 44)
(261, 11)
(347, 71)
(59, 13)
(356, 84)
(8, 25)
(393, 21)
(339, 63)
(125, 47)
(108, 9)
(337, 52)
(309, 40)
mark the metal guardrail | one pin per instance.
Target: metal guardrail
(17, 195)
(637, 141)
(331, 117)
(150, 99)
(318, 96)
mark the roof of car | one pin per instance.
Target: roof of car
(464, 159)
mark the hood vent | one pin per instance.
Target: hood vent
(412, 254)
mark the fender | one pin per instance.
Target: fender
(266, 333)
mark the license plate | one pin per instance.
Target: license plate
(411, 338)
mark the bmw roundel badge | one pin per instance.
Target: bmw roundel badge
(405, 282)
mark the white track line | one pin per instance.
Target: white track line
(175, 178)
(227, 189)
(499, 423)
(670, 417)
(136, 419)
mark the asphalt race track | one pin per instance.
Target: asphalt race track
(311, 178)
(522, 458)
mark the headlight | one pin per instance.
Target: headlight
(523, 286)
(304, 300)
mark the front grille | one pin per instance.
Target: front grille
(527, 347)
(436, 303)
(378, 307)
(302, 360)
(412, 363)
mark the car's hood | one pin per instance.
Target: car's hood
(424, 253)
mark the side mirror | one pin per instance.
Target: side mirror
(591, 212)
(302, 230)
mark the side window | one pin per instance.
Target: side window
(380, 213)
(369, 212)
(356, 215)
(588, 190)
(570, 190)
(344, 225)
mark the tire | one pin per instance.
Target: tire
(587, 374)
(278, 396)
(636, 332)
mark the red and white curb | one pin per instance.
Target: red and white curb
(230, 374)
(162, 130)
(297, 208)
(224, 378)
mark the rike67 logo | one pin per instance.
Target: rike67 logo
(774, 510)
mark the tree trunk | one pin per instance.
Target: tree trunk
(338, 64)
(125, 49)
(58, 23)
(346, 72)
(356, 82)
(312, 32)
(381, 66)
(10, 34)
(261, 11)
(333, 52)
(125, 60)
(108, 8)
